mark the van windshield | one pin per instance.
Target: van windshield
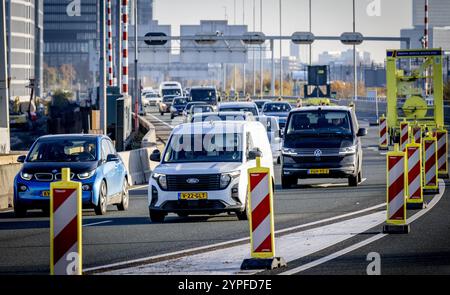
(204, 95)
(210, 147)
(174, 92)
(320, 122)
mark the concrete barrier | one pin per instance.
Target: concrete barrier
(138, 165)
(7, 174)
(149, 140)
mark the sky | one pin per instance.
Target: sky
(329, 17)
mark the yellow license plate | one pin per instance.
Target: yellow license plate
(319, 171)
(193, 196)
(45, 194)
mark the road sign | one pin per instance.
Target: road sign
(204, 50)
(395, 192)
(383, 145)
(404, 135)
(350, 38)
(304, 38)
(414, 196)
(254, 38)
(442, 152)
(65, 226)
(261, 221)
(430, 165)
(156, 41)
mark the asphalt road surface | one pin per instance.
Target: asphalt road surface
(123, 236)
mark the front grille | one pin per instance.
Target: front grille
(43, 176)
(206, 182)
(58, 176)
(197, 205)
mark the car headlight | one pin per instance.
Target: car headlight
(85, 175)
(226, 178)
(161, 179)
(288, 152)
(347, 150)
(26, 176)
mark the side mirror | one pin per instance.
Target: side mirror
(281, 133)
(112, 158)
(253, 154)
(155, 156)
(362, 132)
(21, 159)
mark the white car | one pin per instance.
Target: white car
(239, 106)
(152, 99)
(274, 133)
(208, 176)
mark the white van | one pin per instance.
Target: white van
(170, 88)
(203, 169)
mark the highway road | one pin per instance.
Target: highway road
(126, 236)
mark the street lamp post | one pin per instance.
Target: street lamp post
(261, 66)
(281, 56)
(355, 81)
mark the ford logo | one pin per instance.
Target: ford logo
(192, 180)
(54, 171)
(318, 153)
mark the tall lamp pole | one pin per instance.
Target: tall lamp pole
(281, 56)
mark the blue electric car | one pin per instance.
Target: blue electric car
(92, 160)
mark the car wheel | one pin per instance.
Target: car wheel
(172, 116)
(360, 176)
(46, 210)
(100, 209)
(19, 211)
(243, 215)
(123, 206)
(278, 160)
(353, 180)
(287, 182)
(157, 216)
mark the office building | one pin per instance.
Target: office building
(24, 46)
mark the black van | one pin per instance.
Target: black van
(322, 142)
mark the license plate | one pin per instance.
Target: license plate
(193, 196)
(319, 171)
(45, 194)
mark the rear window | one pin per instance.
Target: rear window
(253, 110)
(274, 108)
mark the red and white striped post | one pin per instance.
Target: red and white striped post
(404, 135)
(109, 49)
(396, 192)
(442, 152)
(261, 221)
(383, 131)
(414, 197)
(417, 134)
(430, 165)
(125, 47)
(65, 226)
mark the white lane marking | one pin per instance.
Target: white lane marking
(333, 256)
(290, 247)
(97, 223)
(7, 211)
(138, 187)
(337, 254)
(161, 121)
(325, 185)
(222, 244)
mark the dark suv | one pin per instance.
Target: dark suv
(322, 142)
